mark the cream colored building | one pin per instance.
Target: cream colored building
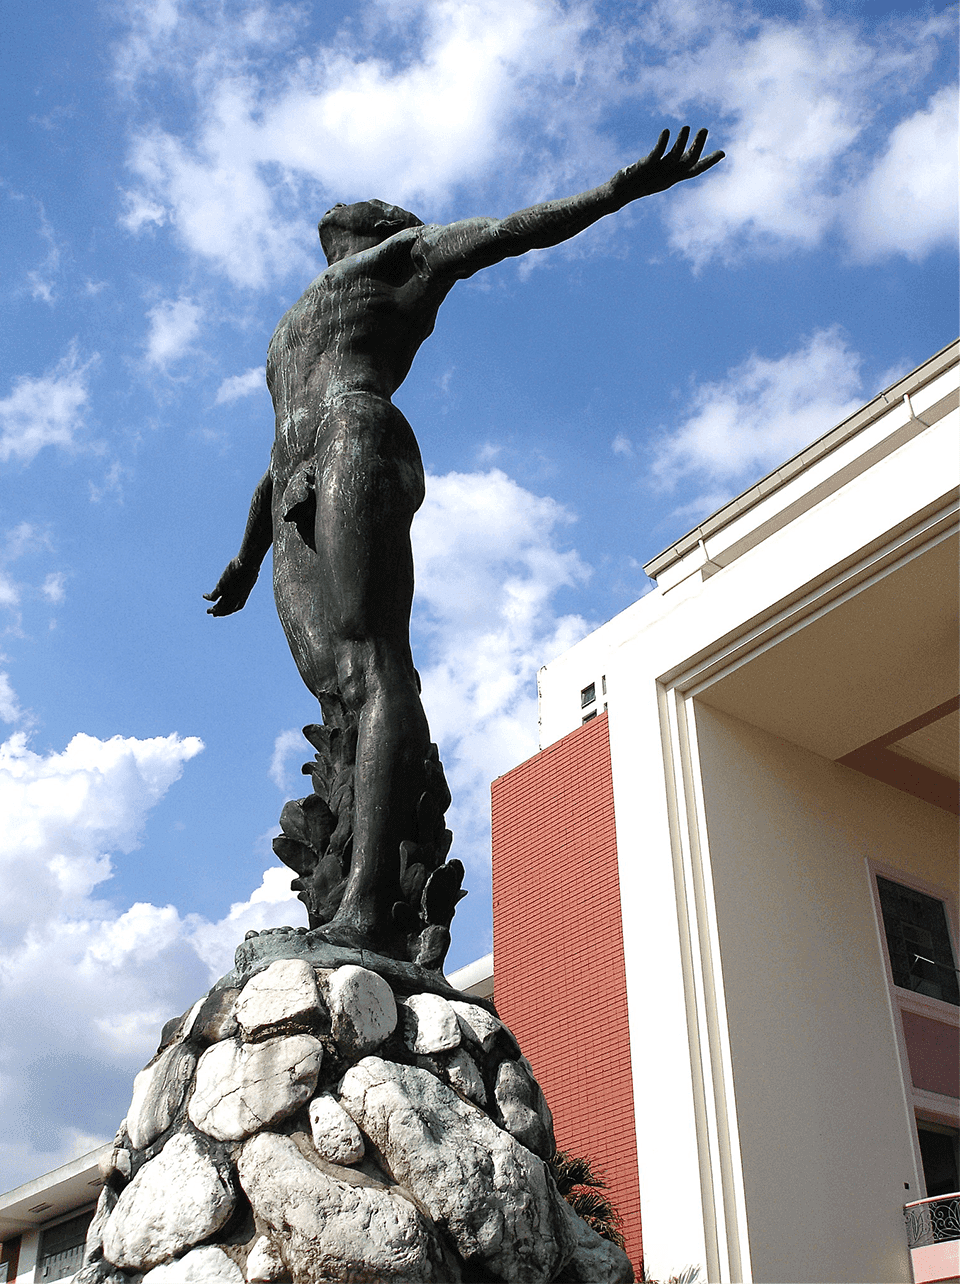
(43, 1223)
(782, 713)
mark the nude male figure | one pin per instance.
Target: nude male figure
(345, 479)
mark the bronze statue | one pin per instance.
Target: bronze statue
(337, 502)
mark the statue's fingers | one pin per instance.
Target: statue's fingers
(706, 163)
(693, 155)
(211, 597)
(678, 148)
(661, 146)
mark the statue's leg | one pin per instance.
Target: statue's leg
(369, 484)
(300, 607)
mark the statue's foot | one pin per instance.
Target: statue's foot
(273, 931)
(348, 934)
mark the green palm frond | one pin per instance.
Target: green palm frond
(581, 1186)
(570, 1171)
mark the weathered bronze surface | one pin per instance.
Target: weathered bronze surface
(337, 501)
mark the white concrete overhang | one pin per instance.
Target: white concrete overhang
(475, 978)
(901, 412)
(870, 680)
(69, 1188)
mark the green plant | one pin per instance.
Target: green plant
(583, 1189)
(689, 1275)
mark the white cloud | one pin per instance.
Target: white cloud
(85, 986)
(53, 587)
(764, 411)
(45, 411)
(489, 564)
(287, 745)
(271, 905)
(242, 385)
(42, 278)
(908, 202)
(798, 100)
(9, 591)
(10, 710)
(421, 98)
(173, 327)
(22, 541)
(61, 812)
(344, 120)
(622, 445)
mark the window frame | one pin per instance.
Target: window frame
(921, 1104)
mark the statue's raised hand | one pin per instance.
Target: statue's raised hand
(232, 588)
(662, 168)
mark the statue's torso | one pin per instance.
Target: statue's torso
(356, 328)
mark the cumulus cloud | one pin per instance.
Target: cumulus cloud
(272, 904)
(423, 99)
(908, 202)
(490, 562)
(764, 411)
(82, 986)
(799, 100)
(85, 985)
(242, 385)
(174, 325)
(344, 120)
(45, 411)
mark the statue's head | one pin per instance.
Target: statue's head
(348, 229)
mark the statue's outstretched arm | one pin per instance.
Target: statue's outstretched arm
(465, 247)
(234, 585)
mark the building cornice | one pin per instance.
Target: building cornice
(899, 394)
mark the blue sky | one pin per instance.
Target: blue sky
(162, 170)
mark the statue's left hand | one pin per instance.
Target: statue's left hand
(232, 588)
(662, 169)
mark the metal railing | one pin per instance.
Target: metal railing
(59, 1265)
(933, 1221)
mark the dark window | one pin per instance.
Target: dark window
(61, 1247)
(9, 1258)
(587, 717)
(918, 942)
(938, 1150)
(588, 695)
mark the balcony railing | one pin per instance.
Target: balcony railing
(933, 1221)
(59, 1265)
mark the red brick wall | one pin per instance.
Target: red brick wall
(559, 980)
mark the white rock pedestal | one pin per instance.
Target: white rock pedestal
(325, 1114)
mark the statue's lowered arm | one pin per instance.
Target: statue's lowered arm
(234, 585)
(469, 245)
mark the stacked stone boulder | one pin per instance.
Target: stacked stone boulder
(324, 1114)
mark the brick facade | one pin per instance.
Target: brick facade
(558, 951)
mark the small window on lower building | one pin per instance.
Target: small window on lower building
(918, 942)
(61, 1247)
(587, 717)
(588, 695)
(938, 1151)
